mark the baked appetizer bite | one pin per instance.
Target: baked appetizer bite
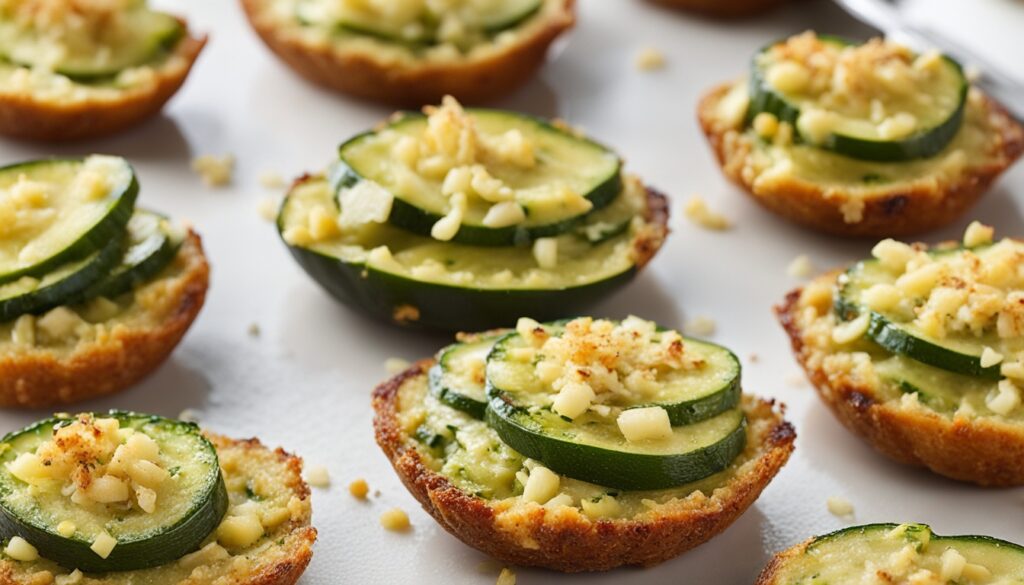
(124, 498)
(725, 9)
(581, 445)
(466, 219)
(859, 140)
(94, 293)
(920, 351)
(84, 68)
(899, 554)
(413, 52)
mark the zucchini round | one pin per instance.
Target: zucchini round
(563, 160)
(187, 512)
(856, 136)
(59, 287)
(82, 223)
(457, 379)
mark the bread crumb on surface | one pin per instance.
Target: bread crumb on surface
(840, 507)
(267, 208)
(395, 520)
(796, 380)
(754, 358)
(317, 476)
(649, 59)
(359, 488)
(507, 577)
(800, 267)
(698, 212)
(271, 180)
(700, 327)
(190, 415)
(215, 171)
(254, 330)
(394, 365)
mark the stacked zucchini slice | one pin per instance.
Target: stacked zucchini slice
(494, 377)
(70, 233)
(471, 245)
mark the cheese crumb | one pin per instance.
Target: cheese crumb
(700, 327)
(507, 577)
(66, 528)
(649, 59)
(645, 424)
(395, 520)
(395, 365)
(317, 476)
(545, 252)
(840, 507)
(359, 489)
(190, 415)
(254, 330)
(271, 180)
(20, 549)
(267, 208)
(698, 212)
(73, 578)
(978, 234)
(215, 171)
(990, 357)
(1005, 399)
(800, 267)
(103, 545)
(851, 330)
(541, 485)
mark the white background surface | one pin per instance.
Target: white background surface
(305, 382)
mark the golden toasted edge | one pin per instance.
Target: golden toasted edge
(724, 9)
(299, 540)
(25, 117)
(571, 543)
(980, 451)
(363, 75)
(769, 574)
(896, 212)
(40, 377)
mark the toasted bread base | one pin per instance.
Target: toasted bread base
(28, 117)
(769, 575)
(563, 539)
(902, 209)
(983, 451)
(725, 9)
(413, 83)
(39, 377)
(280, 565)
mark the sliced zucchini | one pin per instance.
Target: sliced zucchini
(62, 286)
(151, 244)
(853, 132)
(55, 211)
(452, 287)
(854, 554)
(190, 503)
(940, 390)
(689, 396)
(458, 377)
(564, 160)
(143, 37)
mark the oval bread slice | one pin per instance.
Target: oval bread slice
(117, 354)
(564, 539)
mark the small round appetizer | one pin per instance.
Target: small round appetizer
(413, 52)
(909, 554)
(581, 445)
(94, 294)
(124, 498)
(467, 219)
(725, 9)
(859, 140)
(84, 68)
(921, 352)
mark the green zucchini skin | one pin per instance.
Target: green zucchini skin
(66, 288)
(111, 227)
(924, 144)
(169, 546)
(458, 398)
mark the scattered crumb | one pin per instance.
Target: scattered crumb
(267, 208)
(216, 171)
(395, 365)
(376, 493)
(649, 59)
(254, 330)
(317, 476)
(190, 415)
(852, 210)
(754, 358)
(405, 314)
(840, 507)
(800, 267)
(796, 380)
(700, 327)
(699, 213)
(507, 577)
(577, 131)
(972, 72)
(271, 180)
(359, 488)
(395, 520)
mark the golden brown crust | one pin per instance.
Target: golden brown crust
(41, 377)
(979, 450)
(361, 74)
(726, 9)
(650, 239)
(284, 569)
(899, 211)
(24, 116)
(769, 574)
(572, 543)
